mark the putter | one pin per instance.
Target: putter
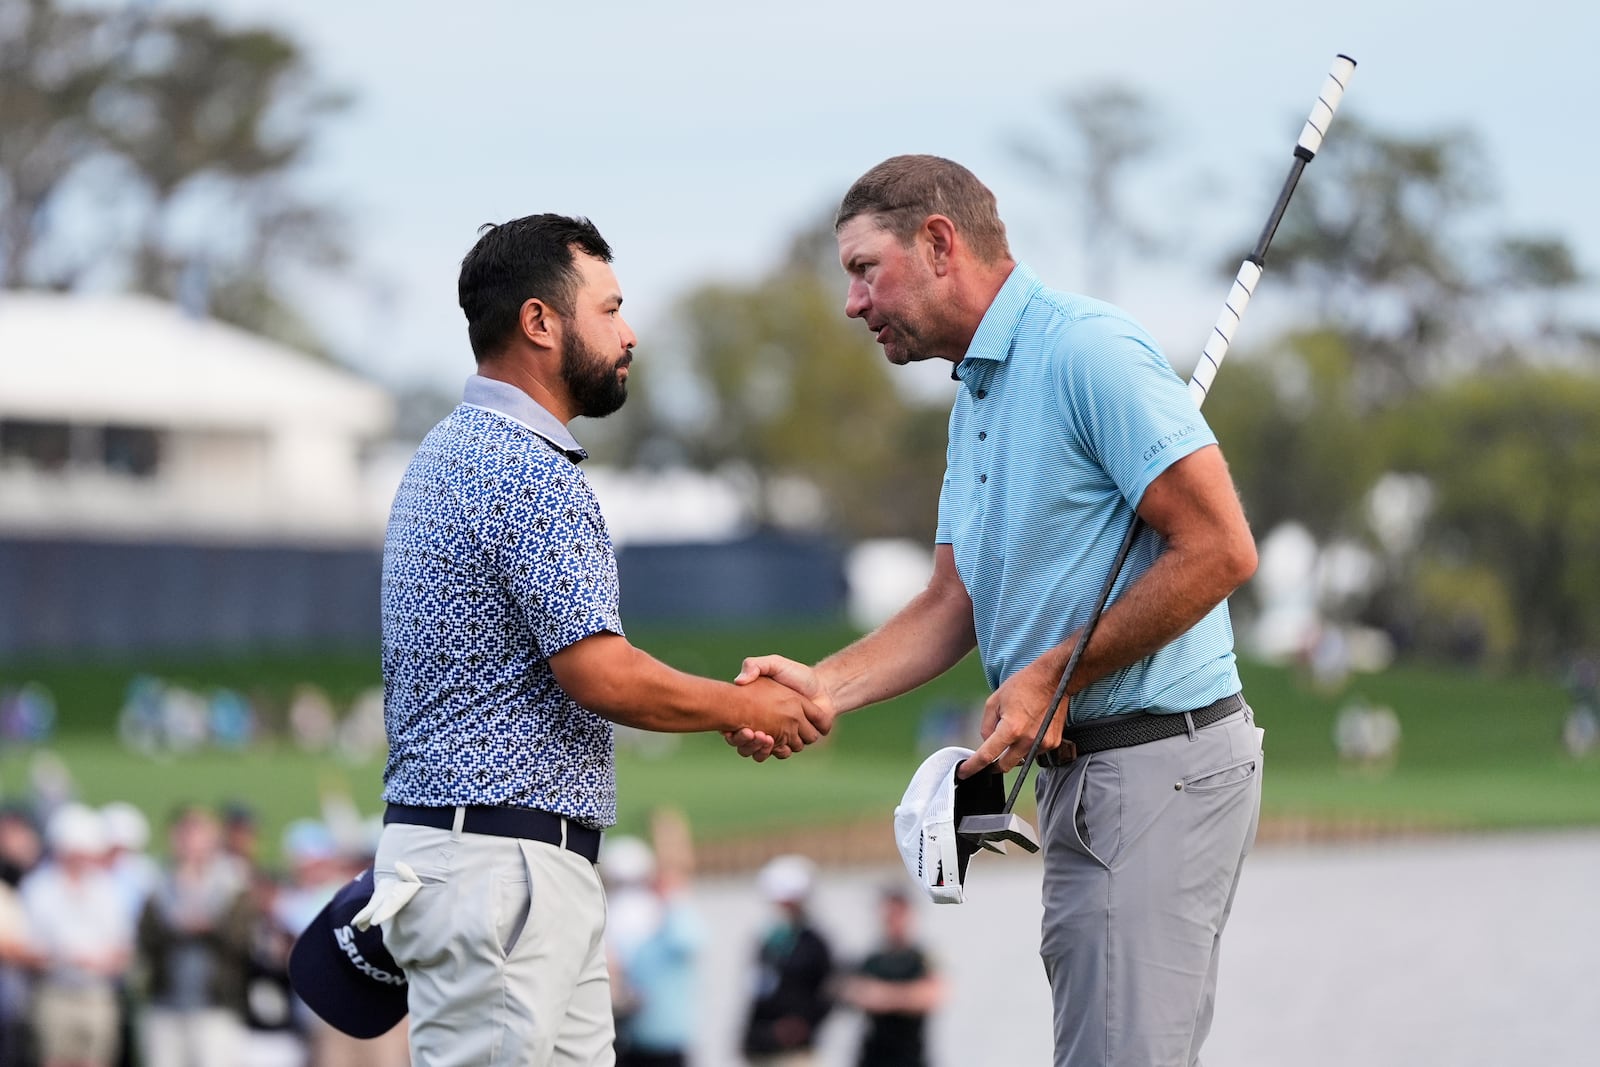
(992, 828)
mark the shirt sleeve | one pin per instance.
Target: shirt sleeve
(1128, 406)
(542, 526)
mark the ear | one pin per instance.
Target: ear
(540, 325)
(940, 234)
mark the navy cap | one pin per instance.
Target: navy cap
(345, 975)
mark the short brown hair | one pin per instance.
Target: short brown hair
(901, 192)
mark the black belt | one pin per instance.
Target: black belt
(529, 823)
(1139, 728)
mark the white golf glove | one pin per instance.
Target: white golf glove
(389, 895)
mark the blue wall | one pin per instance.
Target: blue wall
(67, 596)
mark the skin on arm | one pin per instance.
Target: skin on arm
(609, 676)
(920, 997)
(1207, 553)
(920, 642)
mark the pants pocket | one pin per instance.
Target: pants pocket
(1087, 811)
(1236, 773)
(513, 887)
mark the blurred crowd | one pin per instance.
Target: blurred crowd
(112, 958)
(796, 977)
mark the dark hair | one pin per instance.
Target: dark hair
(524, 259)
(902, 191)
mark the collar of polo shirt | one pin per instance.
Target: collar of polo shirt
(992, 341)
(503, 398)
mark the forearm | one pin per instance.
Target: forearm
(633, 688)
(1206, 553)
(1162, 605)
(924, 639)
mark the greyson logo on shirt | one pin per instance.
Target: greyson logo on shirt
(1167, 441)
(347, 941)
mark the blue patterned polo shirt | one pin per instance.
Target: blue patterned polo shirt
(1067, 412)
(496, 558)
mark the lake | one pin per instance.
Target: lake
(1467, 951)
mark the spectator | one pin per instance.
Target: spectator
(656, 964)
(129, 865)
(20, 849)
(274, 1036)
(897, 988)
(241, 838)
(194, 940)
(793, 966)
(82, 943)
(318, 871)
(135, 874)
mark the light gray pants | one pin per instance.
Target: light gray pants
(503, 951)
(1142, 852)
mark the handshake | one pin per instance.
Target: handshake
(783, 707)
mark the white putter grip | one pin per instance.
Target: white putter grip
(1205, 372)
(1344, 68)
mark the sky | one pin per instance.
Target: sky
(699, 136)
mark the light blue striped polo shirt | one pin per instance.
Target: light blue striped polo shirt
(1067, 412)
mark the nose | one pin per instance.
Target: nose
(628, 338)
(856, 301)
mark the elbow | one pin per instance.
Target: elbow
(1241, 561)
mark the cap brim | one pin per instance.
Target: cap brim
(322, 976)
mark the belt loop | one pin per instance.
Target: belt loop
(455, 826)
(563, 831)
(1188, 722)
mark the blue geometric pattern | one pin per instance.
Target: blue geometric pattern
(1067, 412)
(496, 558)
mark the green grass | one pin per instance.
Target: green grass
(1477, 751)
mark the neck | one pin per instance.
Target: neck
(518, 372)
(974, 293)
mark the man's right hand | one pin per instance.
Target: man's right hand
(778, 720)
(795, 676)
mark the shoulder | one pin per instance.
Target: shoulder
(1070, 323)
(488, 450)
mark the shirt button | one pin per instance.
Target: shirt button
(983, 477)
(983, 435)
(982, 393)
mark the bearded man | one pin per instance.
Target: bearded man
(505, 666)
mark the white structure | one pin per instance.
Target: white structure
(122, 416)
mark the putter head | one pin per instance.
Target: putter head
(982, 820)
(994, 832)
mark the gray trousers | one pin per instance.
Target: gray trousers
(1142, 852)
(503, 951)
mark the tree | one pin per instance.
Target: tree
(1296, 442)
(1513, 458)
(172, 138)
(1388, 247)
(776, 382)
(1432, 355)
(1107, 130)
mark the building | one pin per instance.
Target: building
(170, 481)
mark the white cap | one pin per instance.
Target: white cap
(76, 829)
(626, 860)
(925, 827)
(786, 879)
(125, 825)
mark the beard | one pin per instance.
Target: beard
(596, 387)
